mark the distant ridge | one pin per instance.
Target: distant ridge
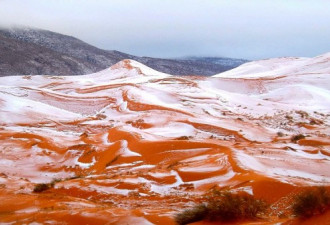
(276, 67)
(25, 51)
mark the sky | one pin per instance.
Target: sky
(249, 29)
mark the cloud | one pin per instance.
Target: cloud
(242, 29)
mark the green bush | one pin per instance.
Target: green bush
(311, 202)
(224, 207)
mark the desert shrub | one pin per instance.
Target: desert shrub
(183, 138)
(233, 207)
(303, 114)
(197, 213)
(290, 118)
(42, 187)
(71, 178)
(311, 202)
(224, 207)
(315, 122)
(297, 137)
(45, 186)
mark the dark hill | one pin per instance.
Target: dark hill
(33, 51)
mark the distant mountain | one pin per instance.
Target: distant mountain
(35, 51)
(229, 62)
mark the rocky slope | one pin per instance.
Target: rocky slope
(33, 51)
(131, 145)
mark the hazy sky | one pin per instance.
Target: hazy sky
(251, 29)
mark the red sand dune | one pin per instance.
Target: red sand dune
(130, 145)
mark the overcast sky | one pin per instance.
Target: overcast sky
(251, 29)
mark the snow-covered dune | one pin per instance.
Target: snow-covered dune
(135, 145)
(280, 67)
(293, 82)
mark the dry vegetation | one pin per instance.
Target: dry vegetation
(224, 206)
(297, 137)
(311, 202)
(42, 187)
